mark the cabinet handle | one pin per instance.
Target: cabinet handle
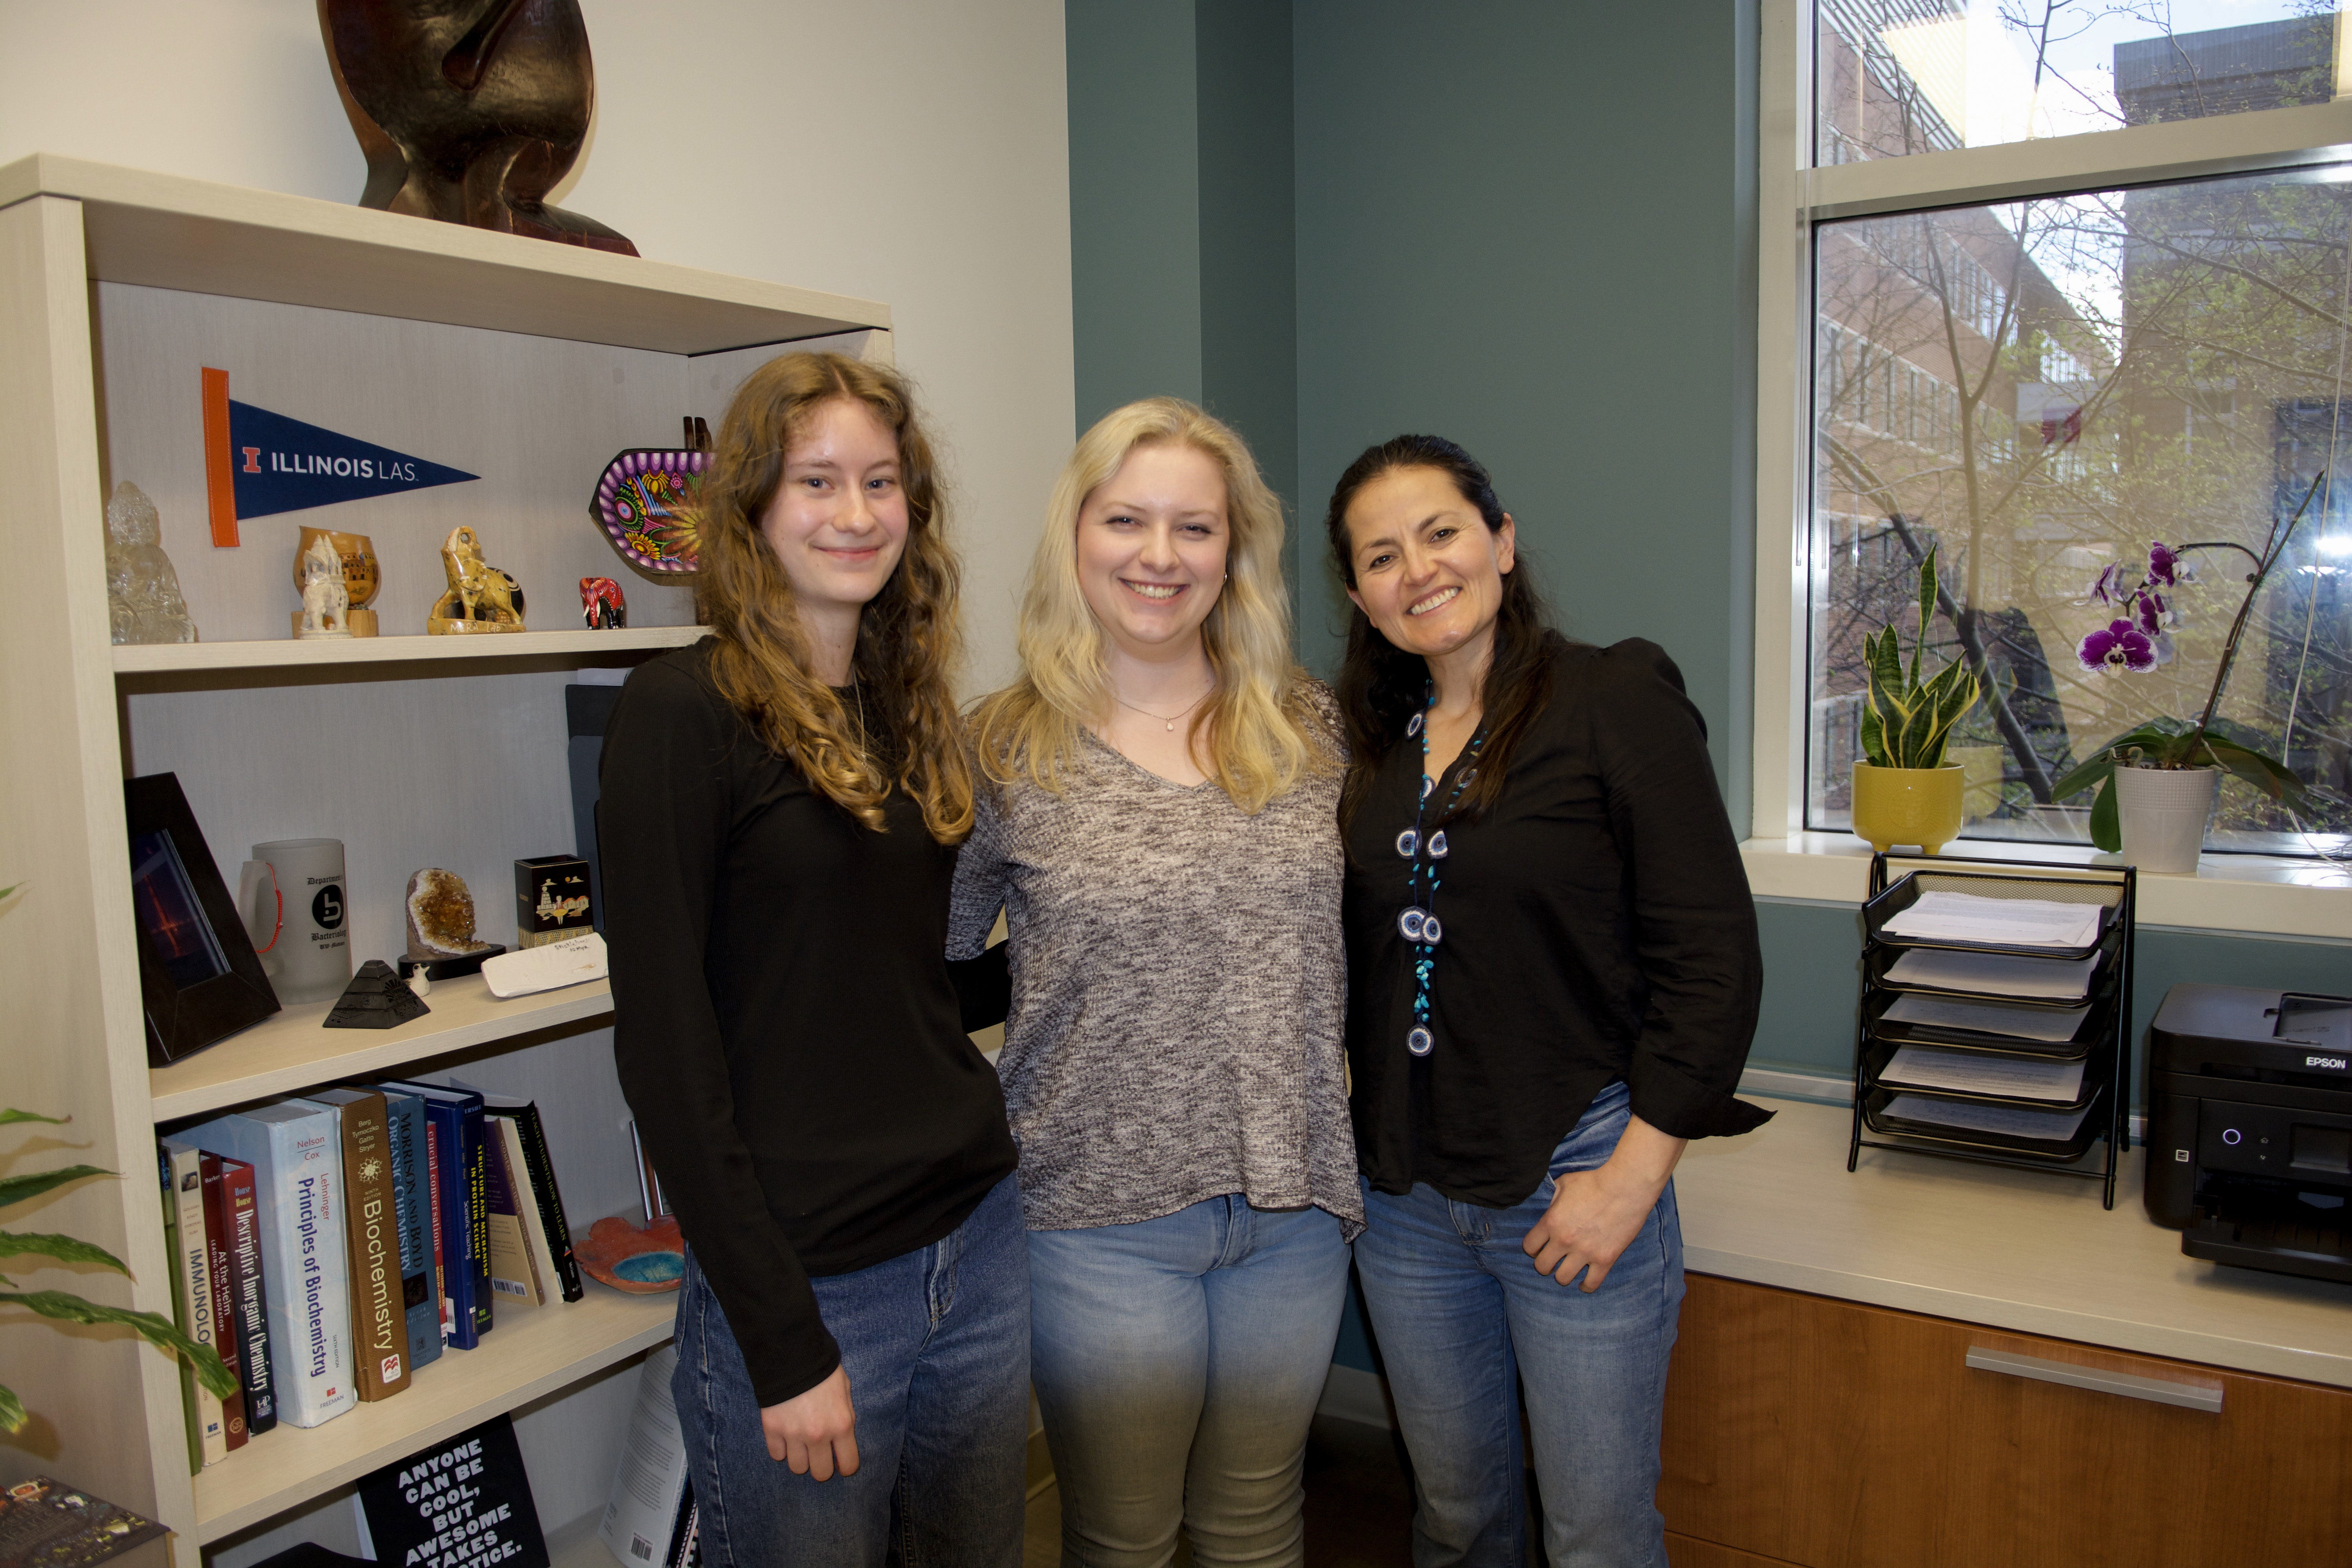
(2162, 1391)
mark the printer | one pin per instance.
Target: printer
(2250, 1127)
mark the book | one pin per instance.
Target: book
(229, 1332)
(446, 1305)
(48, 1524)
(462, 1163)
(412, 1181)
(249, 1303)
(553, 1228)
(192, 1287)
(462, 1503)
(371, 1240)
(188, 1417)
(649, 1187)
(642, 1508)
(295, 1153)
(514, 1266)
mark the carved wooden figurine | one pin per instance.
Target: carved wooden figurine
(479, 598)
(326, 603)
(468, 110)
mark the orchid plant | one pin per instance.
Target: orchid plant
(1908, 722)
(2140, 639)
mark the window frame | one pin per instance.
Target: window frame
(2236, 894)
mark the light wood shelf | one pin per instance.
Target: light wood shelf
(528, 1351)
(294, 653)
(292, 1051)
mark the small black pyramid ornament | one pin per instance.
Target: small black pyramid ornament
(376, 999)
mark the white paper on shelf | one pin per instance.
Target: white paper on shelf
(647, 1485)
(2014, 923)
(2048, 1024)
(2000, 974)
(1973, 1073)
(2008, 1121)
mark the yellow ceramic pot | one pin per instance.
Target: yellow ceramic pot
(1908, 805)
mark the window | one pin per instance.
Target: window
(2040, 386)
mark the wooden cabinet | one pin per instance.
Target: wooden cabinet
(1801, 1429)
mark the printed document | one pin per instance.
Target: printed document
(1996, 974)
(2014, 922)
(1973, 1073)
(2006, 1121)
(2049, 1026)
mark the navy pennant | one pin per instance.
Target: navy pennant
(278, 463)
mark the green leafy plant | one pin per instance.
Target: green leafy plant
(2134, 643)
(66, 1306)
(1908, 721)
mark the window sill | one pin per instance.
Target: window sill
(2234, 894)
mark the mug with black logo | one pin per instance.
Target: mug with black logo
(294, 905)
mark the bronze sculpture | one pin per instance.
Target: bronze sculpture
(468, 110)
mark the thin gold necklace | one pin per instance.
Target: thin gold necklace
(1168, 719)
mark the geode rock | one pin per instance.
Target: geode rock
(143, 603)
(441, 917)
(376, 999)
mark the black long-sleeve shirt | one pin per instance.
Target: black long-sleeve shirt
(785, 1027)
(1596, 925)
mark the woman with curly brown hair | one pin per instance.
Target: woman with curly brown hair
(786, 799)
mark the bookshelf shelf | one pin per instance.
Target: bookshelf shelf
(530, 1351)
(293, 1051)
(174, 659)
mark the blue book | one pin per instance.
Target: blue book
(455, 1117)
(412, 1191)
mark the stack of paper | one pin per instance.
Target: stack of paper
(1973, 1073)
(2048, 1026)
(2005, 1120)
(1995, 974)
(2011, 922)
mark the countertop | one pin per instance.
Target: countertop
(2010, 1250)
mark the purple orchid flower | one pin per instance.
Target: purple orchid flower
(2117, 650)
(2109, 588)
(2149, 610)
(2163, 564)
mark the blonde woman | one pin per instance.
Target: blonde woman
(781, 804)
(1158, 823)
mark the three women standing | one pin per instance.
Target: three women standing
(1159, 825)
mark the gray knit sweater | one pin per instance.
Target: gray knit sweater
(1178, 992)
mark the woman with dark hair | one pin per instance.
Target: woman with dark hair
(783, 803)
(1552, 977)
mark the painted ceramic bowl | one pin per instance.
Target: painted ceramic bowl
(645, 502)
(643, 1262)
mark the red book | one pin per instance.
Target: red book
(220, 1239)
(440, 1247)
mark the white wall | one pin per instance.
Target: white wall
(913, 152)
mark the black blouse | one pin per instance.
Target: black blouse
(789, 1036)
(1597, 926)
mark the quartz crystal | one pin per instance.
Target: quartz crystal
(143, 592)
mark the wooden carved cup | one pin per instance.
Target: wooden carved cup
(363, 576)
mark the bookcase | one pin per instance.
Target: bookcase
(527, 363)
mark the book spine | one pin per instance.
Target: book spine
(179, 1308)
(314, 1381)
(372, 1233)
(195, 1281)
(419, 1288)
(477, 1214)
(251, 1302)
(441, 1303)
(514, 1271)
(541, 1165)
(448, 1123)
(228, 1326)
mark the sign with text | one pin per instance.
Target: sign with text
(465, 1503)
(257, 463)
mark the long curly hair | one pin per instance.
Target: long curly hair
(908, 637)
(1381, 686)
(1262, 728)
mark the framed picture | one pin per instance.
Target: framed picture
(198, 975)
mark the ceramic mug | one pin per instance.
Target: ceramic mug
(296, 911)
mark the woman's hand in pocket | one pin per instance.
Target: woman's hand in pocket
(1594, 1216)
(816, 1432)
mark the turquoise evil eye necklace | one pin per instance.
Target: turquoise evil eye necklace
(1418, 924)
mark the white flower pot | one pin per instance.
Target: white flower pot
(2163, 813)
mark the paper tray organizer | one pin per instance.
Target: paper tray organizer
(1896, 884)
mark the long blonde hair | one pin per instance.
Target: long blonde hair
(1262, 728)
(907, 636)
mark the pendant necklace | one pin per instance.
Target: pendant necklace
(1163, 718)
(1418, 922)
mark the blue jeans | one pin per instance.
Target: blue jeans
(1179, 1362)
(936, 1342)
(1462, 1317)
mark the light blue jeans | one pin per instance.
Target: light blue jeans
(936, 1341)
(1462, 1317)
(1178, 1362)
